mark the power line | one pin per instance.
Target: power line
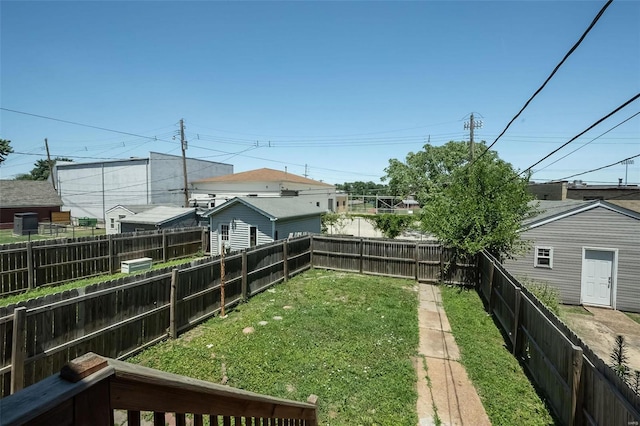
(566, 56)
(581, 133)
(600, 168)
(582, 146)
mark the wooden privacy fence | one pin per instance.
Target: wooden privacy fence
(24, 266)
(579, 386)
(393, 258)
(121, 317)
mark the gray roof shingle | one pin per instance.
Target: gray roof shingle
(28, 193)
(274, 207)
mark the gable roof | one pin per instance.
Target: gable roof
(262, 175)
(28, 193)
(159, 215)
(551, 211)
(272, 207)
(132, 208)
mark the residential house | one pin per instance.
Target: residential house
(159, 217)
(27, 196)
(118, 212)
(265, 183)
(250, 221)
(588, 250)
(89, 189)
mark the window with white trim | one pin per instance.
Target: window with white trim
(224, 232)
(543, 257)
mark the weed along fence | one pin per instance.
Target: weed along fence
(121, 317)
(24, 266)
(579, 386)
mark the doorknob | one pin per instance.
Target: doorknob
(608, 282)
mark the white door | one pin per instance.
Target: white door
(597, 277)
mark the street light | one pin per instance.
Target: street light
(626, 169)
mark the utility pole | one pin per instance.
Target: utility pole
(471, 125)
(306, 171)
(53, 181)
(626, 169)
(184, 163)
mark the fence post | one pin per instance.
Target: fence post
(245, 287)
(442, 248)
(417, 258)
(18, 349)
(285, 256)
(516, 323)
(311, 252)
(165, 247)
(576, 388)
(111, 260)
(204, 240)
(173, 329)
(492, 267)
(31, 273)
(361, 249)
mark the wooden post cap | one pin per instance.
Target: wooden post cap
(83, 366)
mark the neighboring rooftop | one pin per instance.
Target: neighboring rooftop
(133, 208)
(548, 210)
(158, 215)
(263, 175)
(28, 193)
(273, 207)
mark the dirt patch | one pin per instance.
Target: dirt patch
(600, 329)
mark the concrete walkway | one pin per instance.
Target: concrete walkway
(444, 390)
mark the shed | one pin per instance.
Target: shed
(159, 217)
(244, 222)
(118, 212)
(588, 250)
(25, 223)
(27, 196)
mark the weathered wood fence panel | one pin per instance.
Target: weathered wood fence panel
(580, 387)
(24, 266)
(123, 316)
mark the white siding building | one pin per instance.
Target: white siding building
(247, 222)
(265, 183)
(90, 189)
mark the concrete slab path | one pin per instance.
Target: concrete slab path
(444, 390)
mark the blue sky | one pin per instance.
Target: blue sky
(341, 87)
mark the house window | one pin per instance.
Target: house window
(253, 236)
(543, 257)
(224, 232)
(112, 222)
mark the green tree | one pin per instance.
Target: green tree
(482, 206)
(391, 225)
(425, 172)
(41, 169)
(5, 149)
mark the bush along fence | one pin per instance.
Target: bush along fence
(27, 265)
(119, 318)
(579, 386)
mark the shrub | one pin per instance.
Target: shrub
(546, 293)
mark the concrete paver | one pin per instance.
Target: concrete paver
(451, 394)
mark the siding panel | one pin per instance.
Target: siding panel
(598, 227)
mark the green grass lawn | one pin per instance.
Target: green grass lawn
(633, 316)
(6, 235)
(43, 291)
(347, 338)
(507, 395)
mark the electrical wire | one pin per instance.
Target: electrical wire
(566, 56)
(599, 168)
(583, 145)
(632, 99)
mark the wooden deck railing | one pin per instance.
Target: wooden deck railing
(91, 389)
